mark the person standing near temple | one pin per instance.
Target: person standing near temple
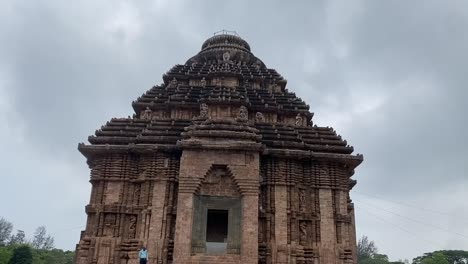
(143, 255)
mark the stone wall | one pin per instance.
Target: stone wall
(133, 201)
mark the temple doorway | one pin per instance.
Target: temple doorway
(217, 231)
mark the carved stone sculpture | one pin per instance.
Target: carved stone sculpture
(243, 114)
(146, 114)
(302, 200)
(203, 111)
(174, 83)
(132, 226)
(226, 56)
(303, 231)
(259, 117)
(299, 119)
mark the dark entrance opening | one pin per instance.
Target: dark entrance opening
(217, 226)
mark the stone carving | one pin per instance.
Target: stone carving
(173, 83)
(146, 114)
(323, 171)
(132, 221)
(137, 194)
(226, 56)
(203, 111)
(259, 117)
(299, 119)
(257, 65)
(203, 82)
(243, 114)
(303, 231)
(302, 200)
(109, 224)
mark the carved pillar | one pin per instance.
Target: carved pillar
(188, 184)
(158, 216)
(352, 231)
(327, 228)
(183, 236)
(249, 250)
(281, 224)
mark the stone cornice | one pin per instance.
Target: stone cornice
(90, 151)
(351, 160)
(96, 150)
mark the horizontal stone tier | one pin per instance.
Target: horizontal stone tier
(168, 132)
(160, 97)
(115, 208)
(208, 69)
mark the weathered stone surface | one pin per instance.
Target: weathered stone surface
(222, 133)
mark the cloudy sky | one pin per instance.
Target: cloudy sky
(390, 76)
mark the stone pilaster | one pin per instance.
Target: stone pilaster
(183, 234)
(327, 228)
(281, 224)
(158, 216)
(249, 249)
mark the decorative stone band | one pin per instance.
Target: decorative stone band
(205, 144)
(189, 184)
(352, 161)
(248, 186)
(341, 218)
(90, 151)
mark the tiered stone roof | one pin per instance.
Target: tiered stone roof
(224, 73)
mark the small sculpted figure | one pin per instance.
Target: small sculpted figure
(259, 117)
(243, 114)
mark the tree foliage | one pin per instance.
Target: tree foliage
(451, 256)
(42, 240)
(56, 256)
(368, 253)
(366, 249)
(16, 249)
(18, 239)
(39, 256)
(5, 231)
(21, 255)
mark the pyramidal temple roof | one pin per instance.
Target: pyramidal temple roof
(225, 74)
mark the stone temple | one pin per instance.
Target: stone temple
(221, 163)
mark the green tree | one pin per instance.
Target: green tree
(375, 259)
(436, 258)
(452, 256)
(18, 239)
(368, 253)
(5, 254)
(42, 240)
(21, 255)
(56, 256)
(5, 231)
(365, 248)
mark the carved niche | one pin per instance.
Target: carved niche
(146, 114)
(109, 224)
(132, 226)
